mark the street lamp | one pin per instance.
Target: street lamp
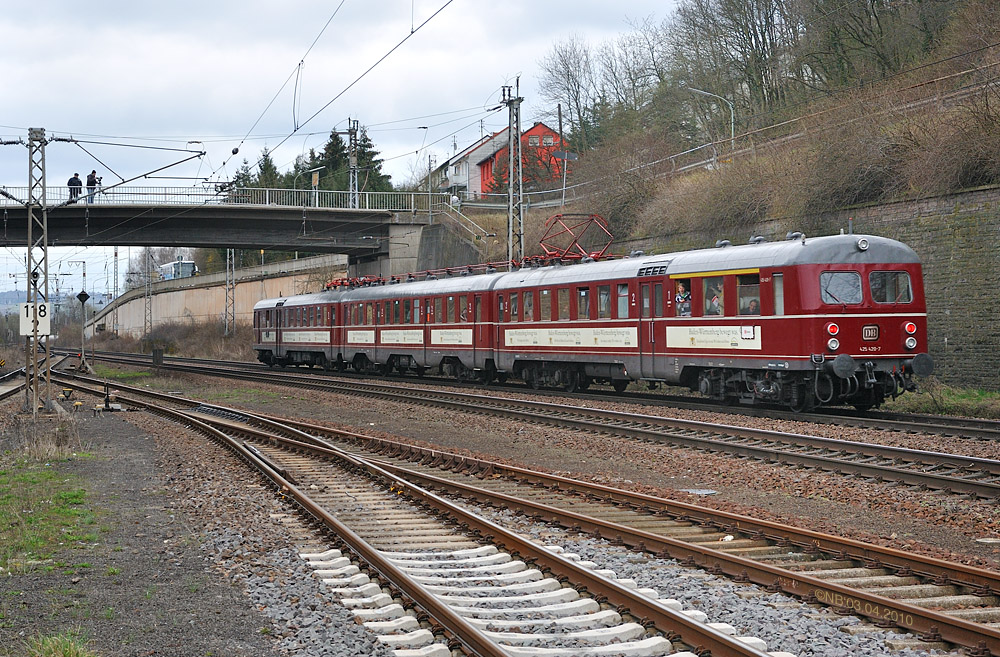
(83, 296)
(295, 182)
(732, 115)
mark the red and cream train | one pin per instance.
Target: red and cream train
(801, 322)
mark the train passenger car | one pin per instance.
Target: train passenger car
(297, 330)
(801, 322)
(445, 324)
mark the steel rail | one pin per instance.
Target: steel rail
(705, 640)
(979, 428)
(931, 625)
(694, 434)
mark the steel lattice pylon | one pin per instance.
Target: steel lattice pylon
(230, 291)
(515, 185)
(37, 374)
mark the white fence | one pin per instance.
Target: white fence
(226, 195)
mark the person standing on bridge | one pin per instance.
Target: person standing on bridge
(91, 185)
(75, 185)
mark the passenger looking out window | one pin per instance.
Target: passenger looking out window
(682, 300)
(714, 304)
(748, 293)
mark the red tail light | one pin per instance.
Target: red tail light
(832, 329)
(910, 328)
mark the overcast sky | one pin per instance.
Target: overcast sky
(160, 75)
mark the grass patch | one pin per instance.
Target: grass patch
(41, 511)
(115, 374)
(940, 399)
(67, 644)
(244, 395)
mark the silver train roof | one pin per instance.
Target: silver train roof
(832, 249)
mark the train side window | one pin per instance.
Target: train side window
(714, 302)
(369, 314)
(890, 287)
(463, 309)
(528, 313)
(778, 285)
(658, 299)
(748, 294)
(545, 304)
(583, 303)
(563, 294)
(478, 312)
(500, 316)
(438, 316)
(450, 310)
(622, 300)
(840, 287)
(514, 307)
(395, 311)
(604, 302)
(682, 300)
(646, 301)
(333, 315)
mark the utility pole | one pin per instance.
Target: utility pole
(147, 319)
(515, 185)
(430, 167)
(230, 290)
(352, 154)
(114, 309)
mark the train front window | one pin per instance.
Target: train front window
(840, 287)
(890, 287)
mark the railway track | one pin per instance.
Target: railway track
(941, 601)
(891, 421)
(949, 473)
(467, 582)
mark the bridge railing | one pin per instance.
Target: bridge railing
(227, 195)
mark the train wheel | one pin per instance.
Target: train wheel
(572, 381)
(619, 385)
(534, 379)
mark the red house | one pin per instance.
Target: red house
(540, 169)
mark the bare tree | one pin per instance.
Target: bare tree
(567, 78)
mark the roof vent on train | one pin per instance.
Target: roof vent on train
(862, 244)
(721, 244)
(796, 235)
(636, 254)
(757, 239)
(586, 259)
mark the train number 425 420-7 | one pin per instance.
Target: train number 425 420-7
(870, 349)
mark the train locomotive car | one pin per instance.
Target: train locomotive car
(801, 322)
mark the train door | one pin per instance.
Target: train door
(279, 329)
(647, 337)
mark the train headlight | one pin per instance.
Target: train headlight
(832, 329)
(910, 328)
(833, 344)
(911, 342)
